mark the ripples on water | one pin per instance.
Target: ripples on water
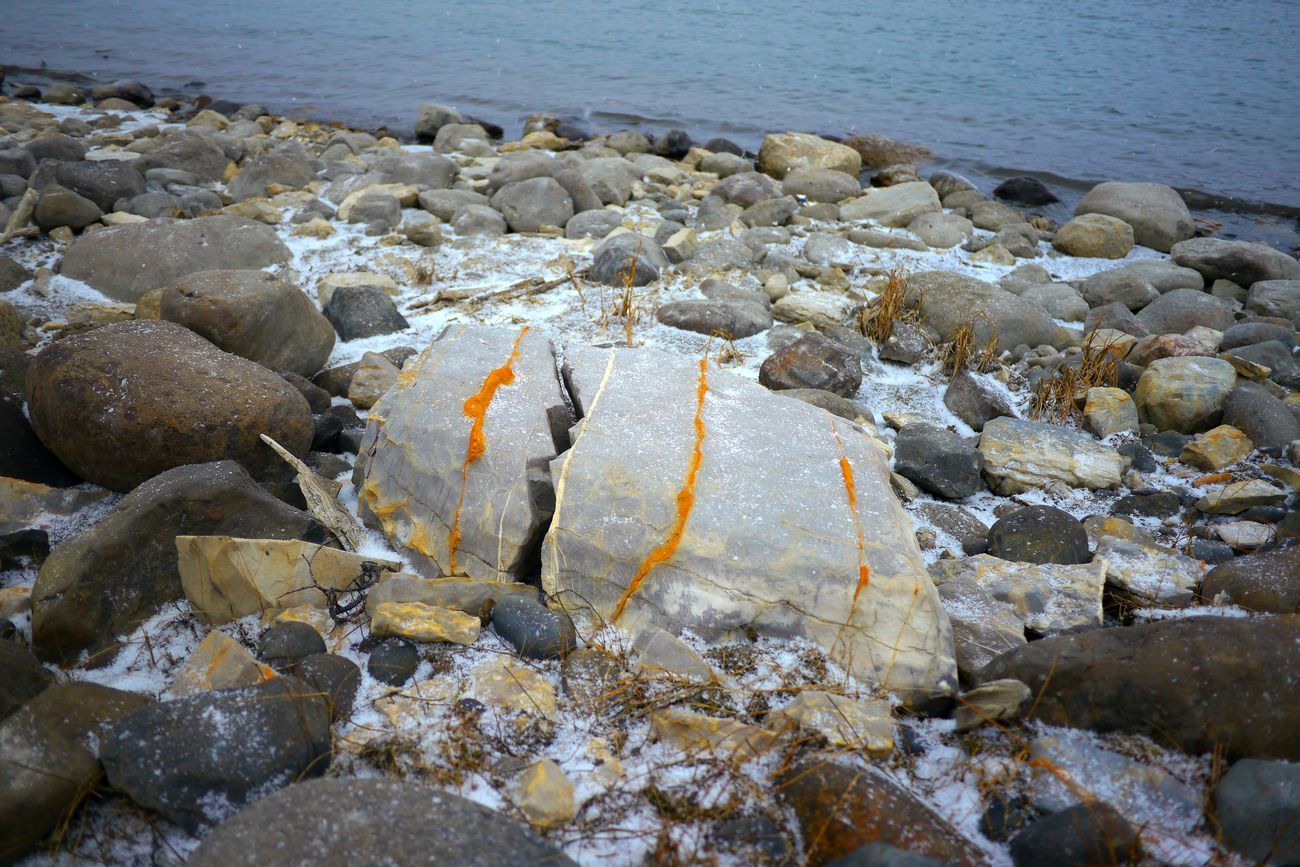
(1198, 95)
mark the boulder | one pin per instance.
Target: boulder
(433, 117)
(878, 151)
(841, 807)
(357, 312)
(976, 399)
(983, 626)
(821, 185)
(644, 505)
(813, 361)
(104, 182)
(49, 758)
(1022, 455)
(21, 454)
(938, 461)
(1025, 190)
(341, 822)
(1201, 684)
(25, 677)
(1095, 236)
(454, 463)
(746, 189)
(1257, 809)
(12, 275)
(535, 631)
(124, 262)
(1157, 213)
(1183, 309)
(1039, 534)
(1242, 262)
(188, 152)
(894, 206)
(1186, 393)
(110, 578)
(949, 301)
(1085, 835)
(1267, 581)
(254, 315)
(58, 206)
(940, 229)
(1048, 598)
(198, 759)
(534, 203)
(1149, 574)
(1276, 298)
(782, 153)
(1122, 286)
(122, 403)
(729, 318)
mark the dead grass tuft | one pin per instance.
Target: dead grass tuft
(1057, 397)
(876, 319)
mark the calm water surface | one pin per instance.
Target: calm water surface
(1198, 95)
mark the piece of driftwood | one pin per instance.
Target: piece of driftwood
(322, 500)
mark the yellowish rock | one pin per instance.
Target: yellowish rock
(1109, 410)
(226, 578)
(845, 723)
(255, 209)
(1216, 449)
(608, 767)
(149, 305)
(405, 193)
(544, 795)
(416, 703)
(25, 504)
(993, 254)
(121, 218)
(318, 228)
(210, 119)
(420, 622)
(15, 601)
(317, 618)
(1245, 535)
(375, 375)
(659, 653)
(695, 732)
(218, 662)
(338, 279)
(782, 153)
(1111, 340)
(1288, 476)
(1237, 497)
(96, 313)
(1149, 573)
(504, 684)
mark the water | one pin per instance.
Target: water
(1202, 96)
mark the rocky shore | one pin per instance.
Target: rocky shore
(627, 501)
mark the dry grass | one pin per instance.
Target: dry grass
(961, 352)
(1057, 397)
(876, 320)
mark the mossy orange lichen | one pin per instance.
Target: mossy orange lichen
(476, 407)
(685, 497)
(846, 471)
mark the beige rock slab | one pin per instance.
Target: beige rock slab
(694, 733)
(218, 662)
(226, 578)
(420, 622)
(1050, 597)
(23, 504)
(846, 723)
(504, 684)
(1150, 573)
(544, 795)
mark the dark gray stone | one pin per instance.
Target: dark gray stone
(1085, 835)
(938, 461)
(336, 677)
(1025, 190)
(12, 275)
(1039, 534)
(393, 661)
(363, 311)
(617, 265)
(1265, 419)
(59, 206)
(1273, 354)
(1250, 333)
(188, 152)
(22, 455)
(813, 361)
(344, 822)
(1267, 581)
(534, 630)
(198, 759)
(1280, 298)
(731, 319)
(1242, 262)
(104, 182)
(1257, 807)
(1183, 309)
(24, 677)
(974, 401)
(284, 645)
(56, 147)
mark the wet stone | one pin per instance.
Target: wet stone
(534, 630)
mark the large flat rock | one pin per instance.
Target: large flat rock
(694, 499)
(417, 480)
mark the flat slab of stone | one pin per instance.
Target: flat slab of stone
(481, 517)
(1021, 455)
(829, 555)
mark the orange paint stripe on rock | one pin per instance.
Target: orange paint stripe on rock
(846, 470)
(685, 497)
(476, 407)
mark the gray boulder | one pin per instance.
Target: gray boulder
(459, 510)
(1039, 534)
(1120, 286)
(1183, 309)
(974, 400)
(58, 206)
(813, 361)
(124, 262)
(385, 822)
(821, 185)
(474, 220)
(939, 461)
(1266, 581)
(363, 311)
(1266, 419)
(107, 580)
(433, 117)
(25, 677)
(423, 170)
(288, 165)
(254, 315)
(104, 182)
(613, 548)
(746, 189)
(1157, 213)
(1242, 262)
(198, 759)
(1278, 298)
(530, 205)
(610, 178)
(1257, 807)
(729, 318)
(592, 224)
(1199, 684)
(444, 204)
(188, 152)
(948, 301)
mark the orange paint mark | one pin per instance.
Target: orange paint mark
(685, 497)
(1213, 479)
(476, 407)
(846, 470)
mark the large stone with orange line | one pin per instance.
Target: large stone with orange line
(695, 499)
(454, 465)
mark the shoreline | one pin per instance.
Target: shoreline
(1249, 219)
(575, 292)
